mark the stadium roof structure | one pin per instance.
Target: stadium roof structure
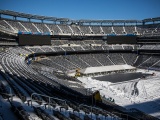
(30, 16)
(152, 19)
(110, 21)
(66, 20)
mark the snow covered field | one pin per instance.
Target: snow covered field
(142, 94)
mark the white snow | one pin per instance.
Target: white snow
(106, 68)
(142, 94)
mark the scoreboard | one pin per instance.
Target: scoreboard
(121, 39)
(28, 39)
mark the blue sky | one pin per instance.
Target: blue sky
(86, 9)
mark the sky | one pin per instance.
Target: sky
(86, 9)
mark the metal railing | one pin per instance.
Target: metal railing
(10, 93)
(91, 108)
(49, 98)
(124, 115)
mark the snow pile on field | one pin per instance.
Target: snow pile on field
(143, 94)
